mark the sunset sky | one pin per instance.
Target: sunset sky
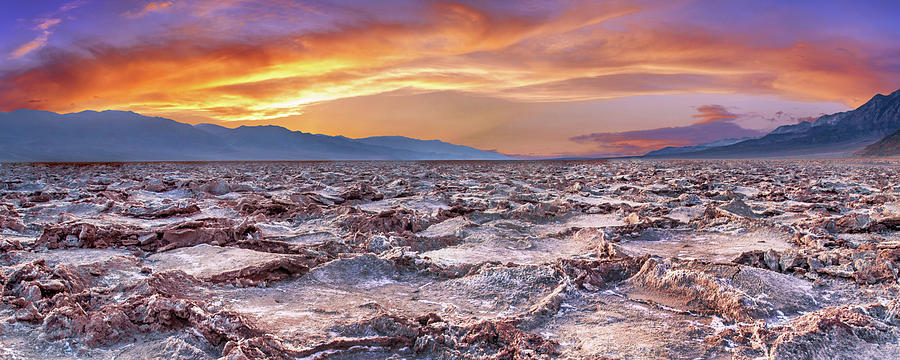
(528, 78)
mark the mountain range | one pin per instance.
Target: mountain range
(31, 135)
(830, 136)
(871, 130)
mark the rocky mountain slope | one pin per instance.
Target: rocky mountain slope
(835, 135)
(29, 135)
(889, 146)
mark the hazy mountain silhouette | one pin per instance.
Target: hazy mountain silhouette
(30, 135)
(674, 150)
(835, 135)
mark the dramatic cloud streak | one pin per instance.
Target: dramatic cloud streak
(273, 60)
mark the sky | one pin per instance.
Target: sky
(531, 78)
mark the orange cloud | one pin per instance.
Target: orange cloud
(48, 23)
(30, 46)
(148, 8)
(45, 25)
(276, 77)
(713, 113)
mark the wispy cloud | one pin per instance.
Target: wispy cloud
(45, 26)
(150, 7)
(72, 5)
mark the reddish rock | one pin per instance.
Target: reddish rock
(108, 326)
(39, 197)
(166, 212)
(230, 265)
(189, 233)
(7, 245)
(755, 258)
(27, 311)
(874, 270)
(597, 274)
(272, 208)
(843, 332)
(217, 187)
(85, 235)
(12, 224)
(64, 322)
(361, 192)
(385, 222)
(852, 223)
(157, 185)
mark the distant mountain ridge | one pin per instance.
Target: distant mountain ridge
(834, 135)
(32, 135)
(674, 150)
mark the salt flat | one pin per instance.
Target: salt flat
(445, 260)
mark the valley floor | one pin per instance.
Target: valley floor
(776, 259)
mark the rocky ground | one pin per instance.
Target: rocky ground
(451, 260)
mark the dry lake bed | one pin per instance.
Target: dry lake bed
(775, 259)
